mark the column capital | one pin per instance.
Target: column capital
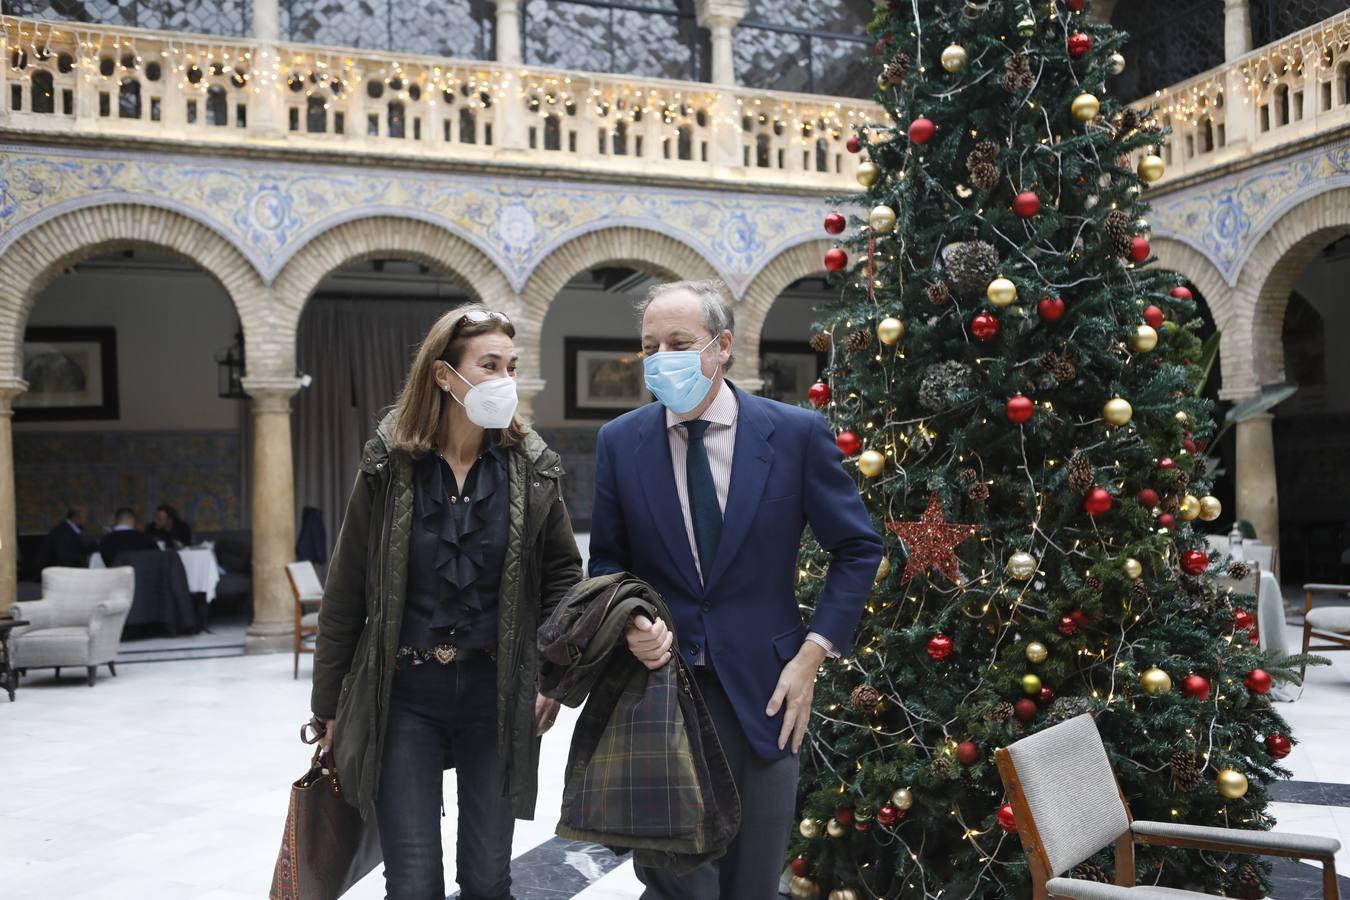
(271, 393)
(9, 389)
(724, 13)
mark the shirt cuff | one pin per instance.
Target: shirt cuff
(823, 641)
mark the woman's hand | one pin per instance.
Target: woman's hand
(545, 711)
(326, 739)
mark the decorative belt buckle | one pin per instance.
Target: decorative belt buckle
(445, 653)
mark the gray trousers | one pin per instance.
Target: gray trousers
(752, 866)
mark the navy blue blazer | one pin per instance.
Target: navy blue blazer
(786, 473)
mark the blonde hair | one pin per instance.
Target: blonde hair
(422, 403)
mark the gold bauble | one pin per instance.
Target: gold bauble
(836, 829)
(882, 219)
(1190, 508)
(1156, 681)
(872, 463)
(883, 82)
(1001, 292)
(1037, 653)
(1182, 417)
(1117, 411)
(810, 829)
(803, 888)
(902, 798)
(883, 570)
(868, 173)
(890, 330)
(844, 894)
(1021, 565)
(1132, 568)
(1210, 509)
(1232, 783)
(1144, 339)
(1115, 64)
(1151, 168)
(1031, 684)
(1085, 107)
(954, 58)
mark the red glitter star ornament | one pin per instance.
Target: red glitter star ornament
(932, 542)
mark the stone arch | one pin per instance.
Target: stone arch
(788, 267)
(1185, 260)
(358, 240)
(37, 258)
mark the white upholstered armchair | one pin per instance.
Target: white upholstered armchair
(77, 623)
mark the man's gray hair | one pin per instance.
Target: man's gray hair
(718, 314)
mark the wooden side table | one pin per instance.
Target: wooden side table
(9, 679)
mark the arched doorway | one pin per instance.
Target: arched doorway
(788, 364)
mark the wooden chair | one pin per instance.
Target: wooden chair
(1327, 623)
(1068, 806)
(308, 591)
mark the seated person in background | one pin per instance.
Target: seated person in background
(124, 538)
(169, 528)
(66, 544)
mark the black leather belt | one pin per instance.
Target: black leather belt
(445, 654)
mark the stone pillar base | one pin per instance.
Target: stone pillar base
(269, 637)
(1257, 499)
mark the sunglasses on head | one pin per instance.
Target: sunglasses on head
(479, 316)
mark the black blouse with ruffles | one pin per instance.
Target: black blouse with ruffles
(455, 553)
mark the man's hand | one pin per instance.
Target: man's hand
(795, 691)
(650, 641)
(545, 712)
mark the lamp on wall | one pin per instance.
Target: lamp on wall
(230, 370)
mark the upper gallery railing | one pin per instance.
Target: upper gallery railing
(1278, 95)
(65, 78)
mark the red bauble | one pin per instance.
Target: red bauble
(1050, 309)
(1195, 686)
(819, 394)
(1097, 501)
(1190, 445)
(1243, 621)
(1257, 681)
(1154, 316)
(854, 145)
(940, 647)
(888, 815)
(1074, 5)
(1047, 695)
(1194, 562)
(835, 259)
(1079, 617)
(1026, 204)
(921, 130)
(1167, 463)
(1167, 521)
(1148, 498)
(835, 223)
(1278, 745)
(1139, 249)
(1007, 820)
(1254, 638)
(863, 827)
(849, 442)
(967, 754)
(845, 815)
(1024, 709)
(1020, 409)
(801, 867)
(1067, 626)
(1080, 45)
(1181, 292)
(984, 326)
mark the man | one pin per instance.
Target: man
(704, 495)
(124, 538)
(66, 543)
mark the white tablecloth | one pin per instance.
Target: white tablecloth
(203, 572)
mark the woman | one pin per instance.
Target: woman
(169, 528)
(454, 546)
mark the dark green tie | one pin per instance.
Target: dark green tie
(704, 509)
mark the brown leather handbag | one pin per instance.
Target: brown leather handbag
(327, 847)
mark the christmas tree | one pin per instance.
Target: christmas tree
(1017, 390)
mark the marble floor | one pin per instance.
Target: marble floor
(170, 781)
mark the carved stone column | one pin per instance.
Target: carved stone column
(9, 531)
(508, 32)
(1257, 498)
(720, 17)
(1237, 29)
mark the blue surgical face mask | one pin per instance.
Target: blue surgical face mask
(676, 378)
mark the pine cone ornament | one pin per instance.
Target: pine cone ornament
(978, 492)
(1049, 360)
(1249, 885)
(1065, 370)
(1240, 571)
(985, 176)
(1170, 505)
(939, 293)
(945, 385)
(1018, 76)
(942, 767)
(1002, 712)
(1065, 708)
(859, 340)
(1094, 584)
(1180, 480)
(1089, 872)
(866, 699)
(1118, 230)
(967, 477)
(1185, 773)
(895, 71)
(1129, 121)
(1138, 591)
(971, 265)
(821, 341)
(1082, 474)
(985, 151)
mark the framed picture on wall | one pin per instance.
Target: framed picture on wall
(71, 374)
(789, 369)
(603, 377)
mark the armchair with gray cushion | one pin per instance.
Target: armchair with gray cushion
(78, 621)
(1068, 806)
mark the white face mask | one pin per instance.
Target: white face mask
(491, 404)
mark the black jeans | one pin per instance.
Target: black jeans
(440, 713)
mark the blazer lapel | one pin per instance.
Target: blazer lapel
(657, 472)
(749, 474)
